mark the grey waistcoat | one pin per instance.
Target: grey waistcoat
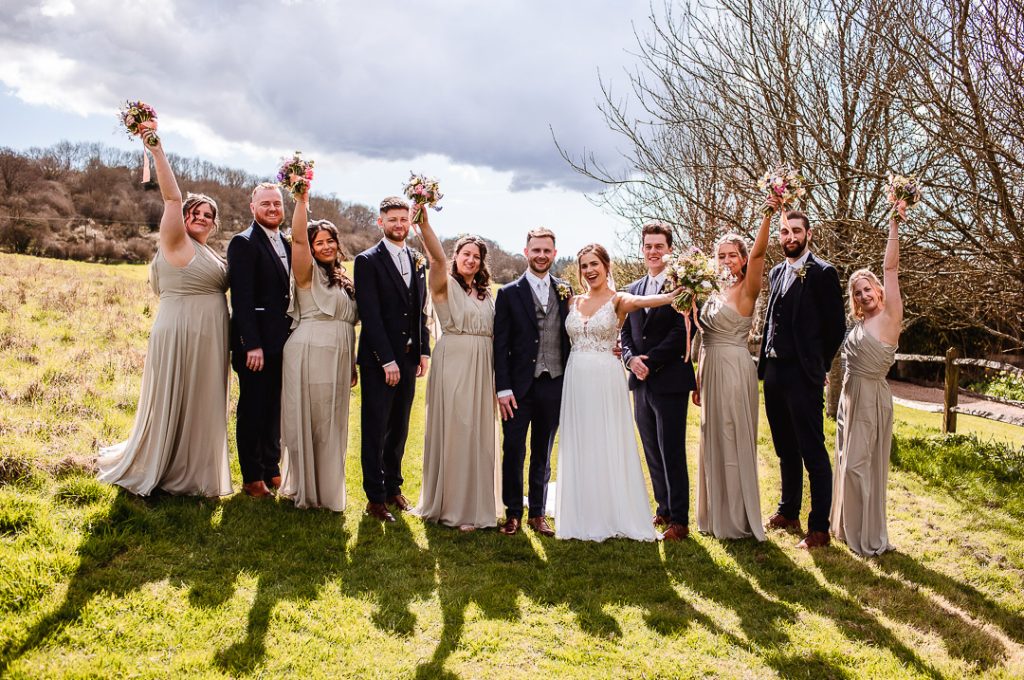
(549, 349)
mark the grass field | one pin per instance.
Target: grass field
(97, 583)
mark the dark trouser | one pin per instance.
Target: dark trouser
(385, 424)
(258, 421)
(661, 419)
(538, 411)
(794, 406)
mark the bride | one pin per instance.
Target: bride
(601, 491)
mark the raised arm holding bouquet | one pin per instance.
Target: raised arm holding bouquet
(179, 440)
(424, 192)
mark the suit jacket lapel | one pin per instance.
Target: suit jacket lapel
(389, 266)
(563, 305)
(526, 298)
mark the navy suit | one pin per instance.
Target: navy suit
(259, 320)
(539, 400)
(394, 329)
(807, 325)
(660, 402)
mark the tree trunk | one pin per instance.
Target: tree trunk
(835, 386)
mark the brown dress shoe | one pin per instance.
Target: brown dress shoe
(400, 502)
(379, 511)
(660, 521)
(814, 539)
(510, 527)
(275, 482)
(540, 525)
(777, 521)
(676, 532)
(256, 489)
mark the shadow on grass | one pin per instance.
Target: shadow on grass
(204, 545)
(963, 640)
(511, 563)
(961, 595)
(776, 574)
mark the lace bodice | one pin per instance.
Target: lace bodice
(597, 333)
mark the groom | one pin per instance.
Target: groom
(653, 345)
(804, 326)
(259, 261)
(530, 351)
(394, 349)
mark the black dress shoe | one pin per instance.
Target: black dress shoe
(379, 511)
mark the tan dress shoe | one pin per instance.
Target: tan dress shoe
(510, 527)
(778, 521)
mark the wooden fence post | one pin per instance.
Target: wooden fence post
(952, 384)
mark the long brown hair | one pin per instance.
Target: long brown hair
(335, 272)
(482, 278)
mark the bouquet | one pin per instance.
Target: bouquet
(785, 182)
(423, 192)
(290, 167)
(134, 114)
(906, 189)
(699, 278)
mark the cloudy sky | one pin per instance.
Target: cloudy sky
(465, 90)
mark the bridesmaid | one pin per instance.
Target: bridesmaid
(864, 420)
(319, 366)
(728, 494)
(179, 440)
(460, 471)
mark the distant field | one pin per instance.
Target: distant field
(97, 583)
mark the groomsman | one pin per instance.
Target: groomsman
(394, 350)
(530, 351)
(804, 327)
(653, 344)
(259, 261)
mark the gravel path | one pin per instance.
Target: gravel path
(930, 399)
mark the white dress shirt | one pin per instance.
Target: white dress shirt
(541, 288)
(278, 243)
(403, 263)
(789, 276)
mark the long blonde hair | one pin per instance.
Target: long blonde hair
(855, 310)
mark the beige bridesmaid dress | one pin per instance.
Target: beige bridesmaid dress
(863, 445)
(461, 484)
(179, 440)
(315, 393)
(728, 493)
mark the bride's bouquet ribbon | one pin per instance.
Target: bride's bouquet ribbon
(424, 192)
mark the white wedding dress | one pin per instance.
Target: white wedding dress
(600, 491)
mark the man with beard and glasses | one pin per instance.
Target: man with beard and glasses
(259, 262)
(394, 349)
(803, 328)
(530, 351)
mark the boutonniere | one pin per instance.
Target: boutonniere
(418, 260)
(563, 290)
(802, 272)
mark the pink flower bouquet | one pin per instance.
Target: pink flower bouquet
(133, 115)
(295, 174)
(424, 192)
(785, 182)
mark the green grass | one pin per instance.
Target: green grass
(97, 583)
